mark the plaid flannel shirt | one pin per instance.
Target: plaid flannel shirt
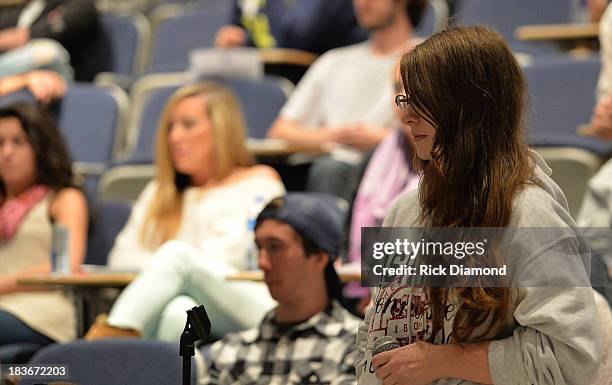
(321, 350)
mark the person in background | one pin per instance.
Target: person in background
(596, 209)
(329, 106)
(60, 35)
(45, 85)
(36, 193)
(190, 227)
(601, 121)
(464, 96)
(309, 25)
(596, 9)
(387, 174)
(308, 338)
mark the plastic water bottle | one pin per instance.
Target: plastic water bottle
(252, 254)
(60, 250)
(579, 12)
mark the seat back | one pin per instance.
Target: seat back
(23, 95)
(115, 362)
(261, 101)
(435, 18)
(572, 168)
(107, 220)
(505, 16)
(129, 38)
(125, 183)
(562, 97)
(176, 36)
(18, 353)
(149, 123)
(90, 118)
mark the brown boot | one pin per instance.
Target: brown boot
(100, 330)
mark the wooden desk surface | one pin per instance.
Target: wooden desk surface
(287, 56)
(107, 279)
(572, 31)
(280, 148)
(257, 276)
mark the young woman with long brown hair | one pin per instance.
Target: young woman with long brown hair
(464, 97)
(37, 192)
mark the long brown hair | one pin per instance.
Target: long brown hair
(164, 216)
(53, 162)
(467, 84)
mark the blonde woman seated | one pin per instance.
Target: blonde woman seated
(36, 192)
(189, 228)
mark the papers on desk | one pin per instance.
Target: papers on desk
(568, 31)
(259, 145)
(244, 63)
(281, 147)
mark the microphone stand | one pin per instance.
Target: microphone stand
(187, 350)
(197, 328)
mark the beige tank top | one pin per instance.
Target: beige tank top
(51, 313)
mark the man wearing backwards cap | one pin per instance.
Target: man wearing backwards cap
(309, 337)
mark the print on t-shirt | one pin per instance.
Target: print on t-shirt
(402, 311)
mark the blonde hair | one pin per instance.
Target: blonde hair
(163, 218)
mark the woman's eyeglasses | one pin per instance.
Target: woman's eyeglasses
(402, 102)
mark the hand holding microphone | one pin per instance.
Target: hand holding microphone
(384, 344)
(407, 365)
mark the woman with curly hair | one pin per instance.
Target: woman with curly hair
(36, 193)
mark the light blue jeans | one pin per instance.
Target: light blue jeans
(36, 54)
(180, 277)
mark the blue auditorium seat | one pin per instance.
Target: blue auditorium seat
(176, 36)
(90, 120)
(434, 18)
(115, 362)
(128, 37)
(23, 95)
(107, 220)
(18, 353)
(261, 101)
(89, 117)
(505, 16)
(562, 96)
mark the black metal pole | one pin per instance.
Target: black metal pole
(187, 350)
(186, 370)
(197, 327)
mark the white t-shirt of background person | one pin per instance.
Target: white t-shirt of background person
(604, 86)
(345, 86)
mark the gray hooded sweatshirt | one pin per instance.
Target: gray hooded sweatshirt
(554, 335)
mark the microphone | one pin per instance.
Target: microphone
(384, 344)
(197, 328)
